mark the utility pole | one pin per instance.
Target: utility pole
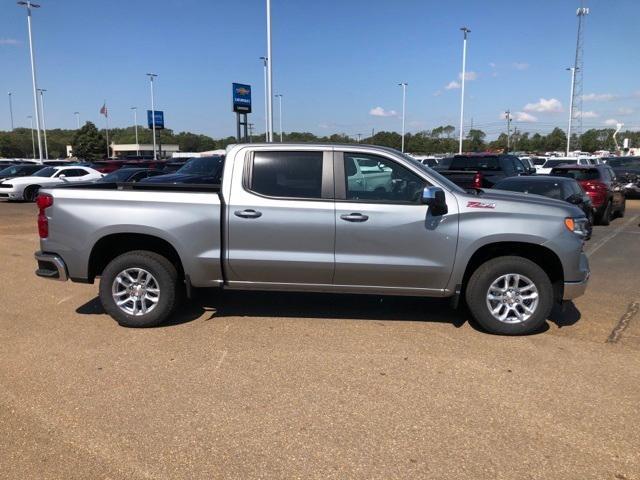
(576, 104)
(508, 117)
(269, 77)
(153, 115)
(404, 104)
(33, 139)
(135, 123)
(44, 125)
(250, 127)
(266, 100)
(34, 82)
(359, 137)
(571, 112)
(465, 32)
(77, 114)
(11, 111)
(279, 96)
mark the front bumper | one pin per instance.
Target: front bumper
(51, 266)
(576, 289)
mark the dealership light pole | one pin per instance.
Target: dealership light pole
(77, 114)
(465, 32)
(44, 125)
(269, 77)
(11, 111)
(153, 113)
(135, 123)
(404, 104)
(33, 140)
(266, 100)
(34, 83)
(573, 84)
(279, 96)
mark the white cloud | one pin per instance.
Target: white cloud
(625, 111)
(9, 41)
(381, 112)
(452, 85)
(599, 97)
(611, 121)
(524, 117)
(492, 65)
(551, 105)
(468, 76)
(590, 114)
(520, 65)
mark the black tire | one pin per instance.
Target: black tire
(478, 288)
(31, 193)
(164, 273)
(605, 216)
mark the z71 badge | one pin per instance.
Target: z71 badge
(481, 205)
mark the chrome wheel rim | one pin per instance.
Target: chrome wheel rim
(512, 298)
(135, 291)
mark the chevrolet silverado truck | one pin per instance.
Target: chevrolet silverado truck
(291, 218)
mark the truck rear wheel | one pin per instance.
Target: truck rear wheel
(138, 289)
(510, 296)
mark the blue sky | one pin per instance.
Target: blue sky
(337, 63)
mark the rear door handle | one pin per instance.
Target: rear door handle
(249, 213)
(354, 217)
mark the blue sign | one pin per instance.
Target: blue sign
(241, 98)
(159, 120)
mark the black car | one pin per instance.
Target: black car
(473, 171)
(129, 175)
(196, 170)
(22, 170)
(560, 188)
(627, 170)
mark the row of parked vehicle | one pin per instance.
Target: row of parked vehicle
(23, 181)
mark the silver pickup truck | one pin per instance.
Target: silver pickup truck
(305, 218)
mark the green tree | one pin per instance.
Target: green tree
(475, 140)
(88, 143)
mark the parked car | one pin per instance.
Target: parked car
(148, 163)
(286, 217)
(480, 170)
(196, 170)
(559, 188)
(19, 170)
(627, 170)
(26, 188)
(528, 164)
(600, 183)
(559, 161)
(128, 175)
(108, 166)
(175, 164)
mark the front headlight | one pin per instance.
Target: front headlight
(577, 225)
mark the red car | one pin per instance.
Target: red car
(108, 166)
(600, 183)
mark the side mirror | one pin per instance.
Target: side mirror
(434, 198)
(62, 177)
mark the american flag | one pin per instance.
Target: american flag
(103, 110)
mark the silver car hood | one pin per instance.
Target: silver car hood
(527, 199)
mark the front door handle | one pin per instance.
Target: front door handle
(354, 217)
(249, 213)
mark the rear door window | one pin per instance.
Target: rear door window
(287, 174)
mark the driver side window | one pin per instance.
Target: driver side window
(370, 178)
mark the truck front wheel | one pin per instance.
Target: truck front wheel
(138, 289)
(510, 295)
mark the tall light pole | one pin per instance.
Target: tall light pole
(269, 77)
(279, 96)
(34, 82)
(11, 110)
(153, 114)
(404, 104)
(135, 123)
(465, 32)
(507, 115)
(573, 84)
(266, 100)
(77, 114)
(44, 125)
(33, 140)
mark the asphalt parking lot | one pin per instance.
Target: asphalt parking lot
(254, 385)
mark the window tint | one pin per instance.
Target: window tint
(577, 173)
(475, 163)
(74, 172)
(376, 179)
(287, 174)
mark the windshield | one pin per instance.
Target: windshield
(538, 161)
(19, 170)
(622, 162)
(551, 189)
(439, 178)
(202, 166)
(121, 175)
(555, 163)
(44, 172)
(577, 174)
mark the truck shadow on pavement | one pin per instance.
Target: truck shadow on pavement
(213, 303)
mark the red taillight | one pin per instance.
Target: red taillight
(43, 201)
(477, 180)
(593, 185)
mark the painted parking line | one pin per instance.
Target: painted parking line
(596, 246)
